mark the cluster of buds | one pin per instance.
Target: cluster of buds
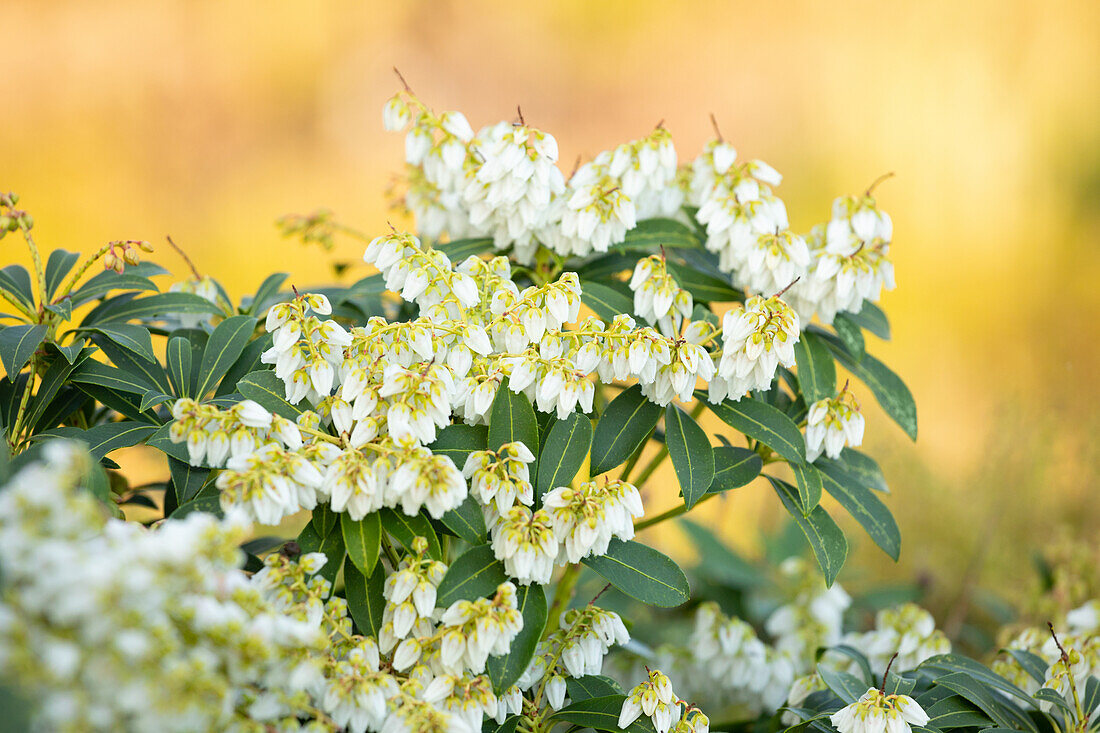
(832, 423)
(124, 252)
(11, 218)
(658, 298)
(655, 698)
(318, 227)
(756, 338)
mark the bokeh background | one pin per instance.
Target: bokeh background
(206, 120)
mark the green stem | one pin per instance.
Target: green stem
(670, 514)
(80, 272)
(652, 466)
(390, 553)
(17, 425)
(562, 594)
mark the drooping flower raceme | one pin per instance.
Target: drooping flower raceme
(833, 423)
(876, 711)
(756, 339)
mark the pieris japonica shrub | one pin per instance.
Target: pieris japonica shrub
(468, 439)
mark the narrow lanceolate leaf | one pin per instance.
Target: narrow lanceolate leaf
(763, 422)
(363, 540)
(102, 439)
(364, 595)
(57, 267)
(129, 336)
(466, 521)
(847, 687)
(592, 685)
(887, 387)
(405, 529)
(15, 279)
(331, 544)
(862, 504)
(652, 234)
(851, 335)
(187, 480)
(475, 574)
(505, 669)
(825, 538)
(459, 249)
(955, 712)
(459, 441)
(1003, 714)
(266, 389)
(562, 456)
(178, 360)
(809, 484)
(816, 368)
(734, 467)
(601, 713)
(624, 426)
(268, 289)
(703, 287)
(604, 300)
(18, 344)
(862, 467)
(872, 319)
(691, 454)
(222, 349)
(161, 304)
(951, 663)
(642, 573)
(512, 419)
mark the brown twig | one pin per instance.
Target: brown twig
(186, 259)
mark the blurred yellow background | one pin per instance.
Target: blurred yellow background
(206, 120)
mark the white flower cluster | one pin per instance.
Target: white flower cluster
(812, 618)
(756, 338)
(655, 699)
(658, 299)
(575, 649)
(831, 424)
(877, 712)
(907, 630)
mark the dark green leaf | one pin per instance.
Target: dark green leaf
(604, 300)
(178, 358)
(459, 441)
(149, 370)
(825, 538)
(860, 659)
(331, 544)
(1003, 713)
(57, 267)
(63, 309)
(862, 504)
(851, 335)
(53, 380)
(872, 319)
(691, 454)
(861, 467)
(505, 669)
(164, 444)
(363, 540)
(703, 287)
(816, 369)
(268, 289)
(591, 685)
(102, 439)
(161, 304)
(107, 281)
(624, 426)
(248, 361)
(153, 398)
(847, 687)
(113, 378)
(511, 419)
(188, 480)
(563, 454)
(324, 519)
(16, 280)
(222, 350)
(956, 712)
(18, 344)
(642, 573)
(459, 249)
(466, 521)
(652, 234)
(474, 574)
(889, 390)
(763, 422)
(124, 403)
(267, 390)
(953, 663)
(208, 503)
(405, 529)
(131, 337)
(809, 483)
(601, 713)
(719, 562)
(364, 595)
(72, 351)
(734, 467)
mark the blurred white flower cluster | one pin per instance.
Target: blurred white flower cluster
(655, 698)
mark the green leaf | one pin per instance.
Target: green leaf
(591, 685)
(161, 304)
(1003, 713)
(331, 544)
(809, 484)
(825, 538)
(52, 381)
(458, 441)
(816, 369)
(224, 346)
(364, 595)
(734, 467)
(207, 503)
(162, 442)
(861, 467)
(601, 713)
(131, 337)
(703, 287)
(505, 669)
(102, 439)
(405, 529)
(851, 335)
(956, 712)
(16, 280)
(363, 540)
(459, 249)
(872, 319)
(652, 234)
(642, 573)
(564, 452)
(466, 521)
(511, 419)
(268, 289)
(717, 561)
(72, 351)
(847, 687)
(763, 422)
(57, 267)
(63, 309)
(604, 300)
(267, 390)
(187, 480)
(624, 426)
(113, 378)
(178, 359)
(475, 574)
(109, 280)
(249, 361)
(952, 663)
(150, 370)
(860, 659)
(691, 454)
(324, 519)
(18, 344)
(862, 504)
(888, 389)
